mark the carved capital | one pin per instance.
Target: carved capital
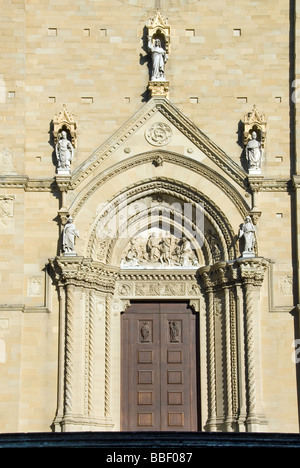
(226, 274)
(84, 273)
(251, 270)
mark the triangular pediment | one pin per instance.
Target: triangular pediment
(160, 125)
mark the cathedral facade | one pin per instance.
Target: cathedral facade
(149, 216)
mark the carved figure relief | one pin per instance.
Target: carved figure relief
(174, 329)
(6, 209)
(145, 332)
(35, 286)
(158, 134)
(159, 249)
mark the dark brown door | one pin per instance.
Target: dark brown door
(159, 368)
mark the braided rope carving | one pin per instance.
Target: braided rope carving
(107, 357)
(228, 353)
(250, 356)
(69, 345)
(212, 407)
(91, 352)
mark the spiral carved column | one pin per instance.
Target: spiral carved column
(91, 352)
(69, 345)
(212, 406)
(228, 360)
(107, 357)
(250, 351)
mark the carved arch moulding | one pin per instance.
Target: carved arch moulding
(160, 203)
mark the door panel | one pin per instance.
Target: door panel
(159, 365)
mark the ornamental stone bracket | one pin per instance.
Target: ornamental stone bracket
(231, 289)
(159, 88)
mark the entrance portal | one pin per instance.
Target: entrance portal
(159, 367)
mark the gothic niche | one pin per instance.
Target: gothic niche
(157, 248)
(65, 140)
(255, 131)
(158, 47)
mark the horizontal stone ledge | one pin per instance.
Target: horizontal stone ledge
(168, 441)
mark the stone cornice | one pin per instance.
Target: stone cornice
(27, 184)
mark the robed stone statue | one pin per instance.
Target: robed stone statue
(159, 58)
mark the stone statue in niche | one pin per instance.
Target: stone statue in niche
(247, 231)
(64, 153)
(157, 248)
(254, 154)
(159, 58)
(69, 235)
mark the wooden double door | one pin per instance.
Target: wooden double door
(159, 367)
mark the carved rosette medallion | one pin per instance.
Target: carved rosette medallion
(158, 134)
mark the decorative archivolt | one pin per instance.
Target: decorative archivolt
(165, 193)
(150, 158)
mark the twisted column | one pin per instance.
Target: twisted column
(91, 352)
(69, 347)
(228, 358)
(250, 353)
(107, 357)
(212, 406)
